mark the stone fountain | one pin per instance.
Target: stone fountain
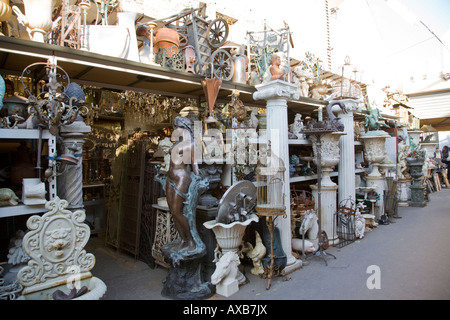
(233, 217)
(59, 267)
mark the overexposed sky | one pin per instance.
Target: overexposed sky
(383, 38)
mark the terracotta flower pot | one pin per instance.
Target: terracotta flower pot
(167, 38)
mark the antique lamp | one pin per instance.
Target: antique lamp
(270, 197)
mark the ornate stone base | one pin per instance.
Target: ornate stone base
(378, 182)
(328, 210)
(403, 192)
(417, 196)
(184, 282)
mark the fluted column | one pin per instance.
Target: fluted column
(70, 183)
(346, 178)
(277, 93)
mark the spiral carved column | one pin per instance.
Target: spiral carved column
(70, 183)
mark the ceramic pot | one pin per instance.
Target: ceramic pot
(167, 38)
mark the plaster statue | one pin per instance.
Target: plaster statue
(253, 122)
(300, 79)
(297, 126)
(309, 228)
(165, 145)
(16, 254)
(274, 72)
(8, 197)
(256, 254)
(402, 165)
(224, 277)
(360, 221)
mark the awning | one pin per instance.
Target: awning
(432, 108)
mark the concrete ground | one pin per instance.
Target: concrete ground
(405, 260)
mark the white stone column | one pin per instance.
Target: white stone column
(346, 178)
(277, 93)
(327, 209)
(70, 183)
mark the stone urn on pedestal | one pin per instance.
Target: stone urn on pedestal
(330, 155)
(417, 189)
(375, 153)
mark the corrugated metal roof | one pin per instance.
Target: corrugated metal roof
(431, 105)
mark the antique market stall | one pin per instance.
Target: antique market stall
(343, 165)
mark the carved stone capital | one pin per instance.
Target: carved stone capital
(351, 105)
(276, 89)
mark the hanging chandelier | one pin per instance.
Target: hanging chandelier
(55, 105)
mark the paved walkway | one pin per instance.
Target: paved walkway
(410, 259)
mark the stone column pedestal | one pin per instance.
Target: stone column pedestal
(379, 183)
(346, 178)
(403, 192)
(70, 183)
(327, 210)
(277, 93)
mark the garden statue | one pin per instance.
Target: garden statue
(8, 198)
(300, 79)
(310, 231)
(360, 221)
(402, 165)
(255, 253)
(224, 277)
(297, 127)
(183, 185)
(373, 119)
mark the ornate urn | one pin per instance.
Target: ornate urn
(417, 190)
(38, 17)
(329, 154)
(375, 151)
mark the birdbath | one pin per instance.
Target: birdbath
(308, 160)
(366, 190)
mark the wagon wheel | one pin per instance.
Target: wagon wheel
(223, 66)
(217, 32)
